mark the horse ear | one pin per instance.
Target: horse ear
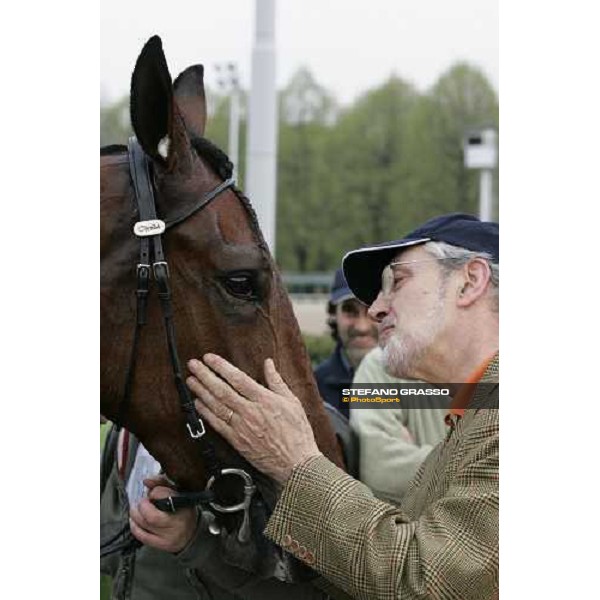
(190, 98)
(154, 118)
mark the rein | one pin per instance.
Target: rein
(152, 262)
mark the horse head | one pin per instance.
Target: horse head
(227, 294)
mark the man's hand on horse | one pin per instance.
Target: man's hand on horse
(267, 426)
(161, 530)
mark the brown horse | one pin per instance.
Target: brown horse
(227, 294)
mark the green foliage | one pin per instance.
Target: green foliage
(105, 587)
(367, 153)
(375, 170)
(461, 99)
(104, 427)
(217, 129)
(363, 174)
(115, 126)
(319, 347)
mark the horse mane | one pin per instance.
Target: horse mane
(112, 149)
(219, 162)
(217, 159)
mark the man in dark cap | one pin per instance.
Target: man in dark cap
(434, 294)
(355, 334)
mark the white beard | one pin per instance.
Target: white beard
(404, 351)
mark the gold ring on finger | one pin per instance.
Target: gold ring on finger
(228, 418)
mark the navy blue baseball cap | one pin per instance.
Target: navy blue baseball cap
(363, 267)
(340, 290)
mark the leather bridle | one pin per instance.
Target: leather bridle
(149, 230)
(152, 261)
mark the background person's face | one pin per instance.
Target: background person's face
(356, 330)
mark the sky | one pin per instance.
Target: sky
(348, 45)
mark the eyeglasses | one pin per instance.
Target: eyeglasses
(387, 275)
(412, 262)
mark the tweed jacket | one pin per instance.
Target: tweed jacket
(440, 543)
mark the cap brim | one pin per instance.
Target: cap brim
(363, 267)
(344, 295)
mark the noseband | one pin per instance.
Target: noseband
(152, 261)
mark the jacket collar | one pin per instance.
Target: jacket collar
(471, 394)
(339, 367)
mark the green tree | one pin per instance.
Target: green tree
(307, 112)
(437, 180)
(217, 127)
(115, 126)
(304, 100)
(367, 153)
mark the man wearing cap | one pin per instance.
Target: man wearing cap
(434, 295)
(355, 334)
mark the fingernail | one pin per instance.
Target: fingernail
(193, 363)
(209, 357)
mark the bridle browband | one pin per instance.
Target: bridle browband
(152, 261)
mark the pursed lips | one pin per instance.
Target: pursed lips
(386, 331)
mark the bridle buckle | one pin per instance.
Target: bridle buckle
(197, 433)
(160, 263)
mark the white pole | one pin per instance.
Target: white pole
(262, 122)
(485, 195)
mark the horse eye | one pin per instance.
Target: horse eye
(240, 286)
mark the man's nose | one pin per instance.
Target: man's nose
(379, 309)
(363, 322)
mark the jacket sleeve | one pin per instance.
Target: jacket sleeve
(389, 456)
(372, 549)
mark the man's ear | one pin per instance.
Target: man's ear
(473, 282)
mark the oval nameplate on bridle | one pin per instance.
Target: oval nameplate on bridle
(147, 228)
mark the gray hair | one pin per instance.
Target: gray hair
(460, 257)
